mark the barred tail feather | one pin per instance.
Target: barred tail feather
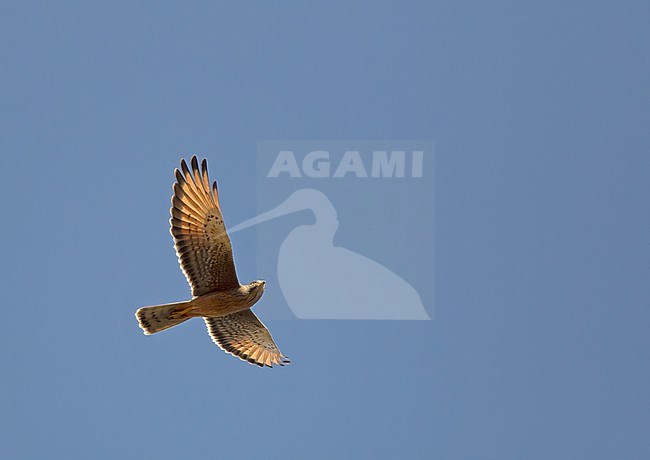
(157, 318)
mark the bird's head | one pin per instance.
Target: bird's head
(257, 285)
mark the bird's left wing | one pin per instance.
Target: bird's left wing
(243, 335)
(200, 238)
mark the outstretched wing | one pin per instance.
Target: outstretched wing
(200, 238)
(243, 335)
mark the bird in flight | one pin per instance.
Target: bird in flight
(205, 256)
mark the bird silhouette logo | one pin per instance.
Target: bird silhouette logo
(322, 281)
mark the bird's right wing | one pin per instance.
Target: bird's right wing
(243, 335)
(200, 238)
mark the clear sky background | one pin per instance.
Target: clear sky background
(539, 112)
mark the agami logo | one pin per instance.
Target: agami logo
(316, 164)
(338, 239)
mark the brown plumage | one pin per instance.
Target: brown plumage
(205, 256)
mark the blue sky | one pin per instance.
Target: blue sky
(539, 113)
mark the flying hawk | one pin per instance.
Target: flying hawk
(205, 256)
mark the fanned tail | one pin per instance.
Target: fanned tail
(160, 317)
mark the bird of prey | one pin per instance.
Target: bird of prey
(205, 256)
